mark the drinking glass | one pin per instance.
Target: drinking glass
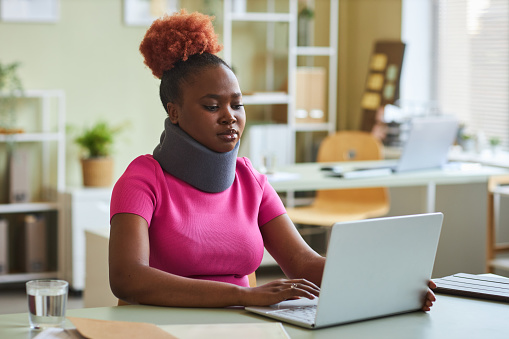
(47, 301)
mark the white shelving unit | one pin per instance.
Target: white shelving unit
(49, 130)
(294, 51)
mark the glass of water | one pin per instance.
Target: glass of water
(47, 301)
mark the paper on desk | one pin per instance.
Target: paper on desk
(282, 176)
(108, 329)
(59, 333)
(225, 331)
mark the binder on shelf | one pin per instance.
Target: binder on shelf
(310, 94)
(4, 250)
(19, 178)
(34, 257)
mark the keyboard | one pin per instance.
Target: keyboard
(475, 286)
(304, 314)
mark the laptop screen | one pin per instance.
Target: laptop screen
(428, 143)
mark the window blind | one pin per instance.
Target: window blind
(472, 64)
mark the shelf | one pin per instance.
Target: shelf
(300, 127)
(46, 138)
(315, 51)
(31, 137)
(285, 46)
(266, 98)
(262, 17)
(29, 207)
(22, 277)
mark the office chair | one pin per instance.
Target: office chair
(492, 247)
(331, 206)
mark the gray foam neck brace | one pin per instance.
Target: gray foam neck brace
(185, 158)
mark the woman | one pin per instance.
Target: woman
(189, 223)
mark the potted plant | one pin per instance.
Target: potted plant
(97, 163)
(304, 22)
(494, 143)
(10, 88)
(467, 142)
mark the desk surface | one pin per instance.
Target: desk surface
(451, 317)
(309, 177)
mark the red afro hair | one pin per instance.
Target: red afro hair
(172, 38)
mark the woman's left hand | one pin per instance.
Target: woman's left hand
(430, 297)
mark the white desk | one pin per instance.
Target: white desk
(451, 317)
(460, 194)
(486, 157)
(310, 178)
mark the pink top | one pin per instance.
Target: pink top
(212, 236)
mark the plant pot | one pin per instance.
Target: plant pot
(97, 172)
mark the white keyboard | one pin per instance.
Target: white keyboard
(305, 314)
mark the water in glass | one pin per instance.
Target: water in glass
(47, 303)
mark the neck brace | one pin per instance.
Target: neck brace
(185, 158)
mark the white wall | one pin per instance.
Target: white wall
(416, 32)
(94, 58)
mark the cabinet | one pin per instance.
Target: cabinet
(41, 113)
(86, 208)
(280, 20)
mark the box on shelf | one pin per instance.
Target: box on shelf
(311, 83)
(19, 178)
(33, 252)
(4, 250)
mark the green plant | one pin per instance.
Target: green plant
(494, 141)
(97, 141)
(307, 13)
(10, 88)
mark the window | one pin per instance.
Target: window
(471, 56)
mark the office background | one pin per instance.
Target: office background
(93, 56)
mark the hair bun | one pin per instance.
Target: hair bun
(172, 38)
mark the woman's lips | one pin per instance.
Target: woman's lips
(229, 135)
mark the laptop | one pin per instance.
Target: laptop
(427, 147)
(428, 143)
(374, 268)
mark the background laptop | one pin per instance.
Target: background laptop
(428, 143)
(374, 268)
(426, 147)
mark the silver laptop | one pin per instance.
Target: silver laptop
(374, 268)
(427, 147)
(428, 144)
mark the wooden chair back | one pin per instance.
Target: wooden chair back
(492, 248)
(352, 146)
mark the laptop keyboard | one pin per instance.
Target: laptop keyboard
(305, 314)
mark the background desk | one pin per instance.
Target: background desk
(460, 194)
(451, 317)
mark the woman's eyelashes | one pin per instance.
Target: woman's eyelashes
(211, 108)
(214, 108)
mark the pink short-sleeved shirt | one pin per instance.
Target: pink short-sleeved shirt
(212, 236)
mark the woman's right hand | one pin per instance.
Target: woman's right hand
(280, 290)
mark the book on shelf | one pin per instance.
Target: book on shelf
(4, 242)
(19, 178)
(33, 247)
